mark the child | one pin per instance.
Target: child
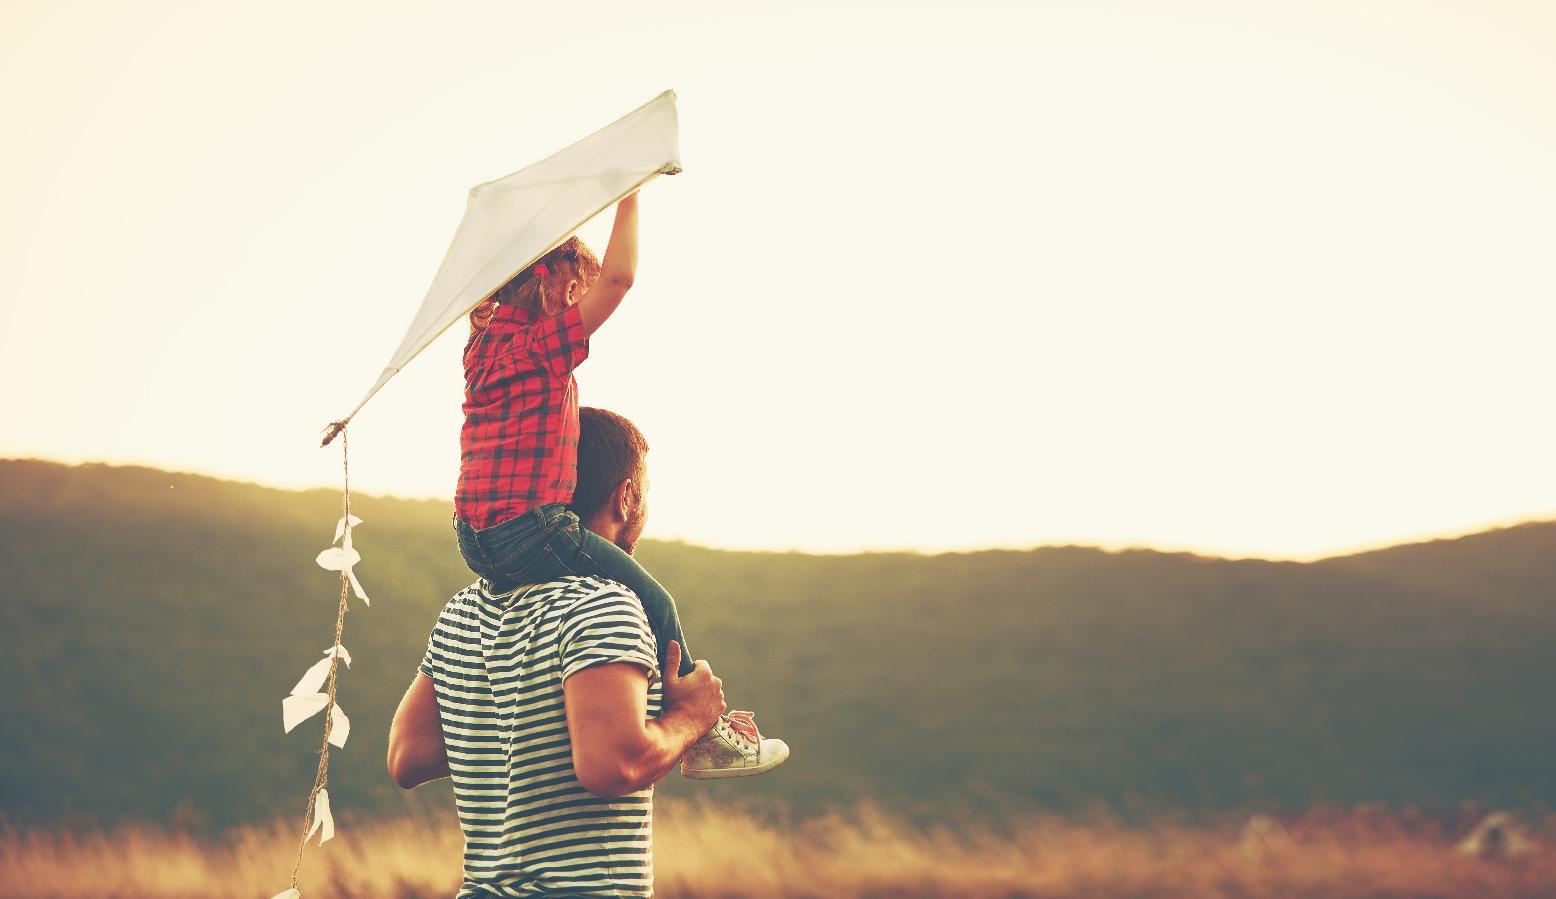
(519, 457)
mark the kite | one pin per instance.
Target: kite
(513, 221)
(508, 224)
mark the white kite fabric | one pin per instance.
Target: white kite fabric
(511, 222)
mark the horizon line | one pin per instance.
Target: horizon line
(1117, 548)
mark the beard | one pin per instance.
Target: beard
(627, 537)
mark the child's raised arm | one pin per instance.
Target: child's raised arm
(616, 271)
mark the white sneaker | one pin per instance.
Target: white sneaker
(733, 748)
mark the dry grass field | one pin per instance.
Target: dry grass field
(704, 852)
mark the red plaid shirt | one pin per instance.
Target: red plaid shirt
(519, 444)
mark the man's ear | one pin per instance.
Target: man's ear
(624, 500)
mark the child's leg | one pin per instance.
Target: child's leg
(734, 747)
(586, 552)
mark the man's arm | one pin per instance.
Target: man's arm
(617, 749)
(616, 271)
(416, 751)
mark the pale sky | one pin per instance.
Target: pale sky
(1243, 278)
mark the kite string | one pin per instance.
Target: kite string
(321, 777)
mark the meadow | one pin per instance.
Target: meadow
(1058, 722)
(708, 852)
(151, 622)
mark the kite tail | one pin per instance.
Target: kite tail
(332, 431)
(318, 798)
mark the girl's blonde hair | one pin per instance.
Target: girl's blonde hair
(543, 295)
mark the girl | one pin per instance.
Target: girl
(519, 457)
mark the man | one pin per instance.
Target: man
(546, 706)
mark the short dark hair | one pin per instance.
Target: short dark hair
(610, 450)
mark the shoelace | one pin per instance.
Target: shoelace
(744, 723)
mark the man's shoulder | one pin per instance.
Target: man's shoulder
(583, 594)
(565, 594)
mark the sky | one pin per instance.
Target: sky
(1240, 278)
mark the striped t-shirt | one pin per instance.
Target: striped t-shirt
(497, 664)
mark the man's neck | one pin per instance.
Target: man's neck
(604, 526)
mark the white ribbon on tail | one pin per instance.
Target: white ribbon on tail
(344, 557)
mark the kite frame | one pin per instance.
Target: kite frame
(670, 168)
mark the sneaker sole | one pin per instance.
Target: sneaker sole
(719, 773)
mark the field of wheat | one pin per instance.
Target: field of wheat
(703, 852)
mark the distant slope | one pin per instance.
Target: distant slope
(151, 622)
(1509, 568)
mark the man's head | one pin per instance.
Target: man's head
(611, 498)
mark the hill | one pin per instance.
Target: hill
(150, 623)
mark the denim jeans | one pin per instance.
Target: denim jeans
(549, 542)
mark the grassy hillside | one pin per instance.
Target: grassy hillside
(151, 622)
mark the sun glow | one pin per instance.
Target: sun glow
(1239, 278)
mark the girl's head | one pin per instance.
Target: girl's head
(553, 282)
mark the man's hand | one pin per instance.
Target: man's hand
(699, 695)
